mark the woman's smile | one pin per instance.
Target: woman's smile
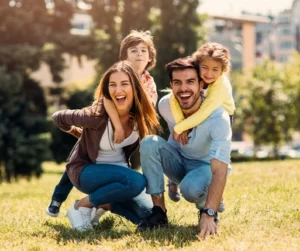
(120, 90)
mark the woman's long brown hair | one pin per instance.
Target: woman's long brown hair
(142, 108)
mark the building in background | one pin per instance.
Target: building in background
(295, 22)
(78, 73)
(252, 38)
(82, 23)
(282, 37)
(239, 35)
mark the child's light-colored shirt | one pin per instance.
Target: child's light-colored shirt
(218, 94)
(150, 86)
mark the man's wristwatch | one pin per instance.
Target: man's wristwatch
(208, 211)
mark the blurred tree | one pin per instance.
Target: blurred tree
(23, 144)
(31, 32)
(292, 88)
(114, 19)
(266, 107)
(178, 34)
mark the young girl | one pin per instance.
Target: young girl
(213, 60)
(139, 50)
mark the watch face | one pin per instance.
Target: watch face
(210, 212)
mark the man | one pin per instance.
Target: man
(201, 166)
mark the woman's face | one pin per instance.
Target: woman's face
(120, 90)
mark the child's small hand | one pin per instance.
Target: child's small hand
(181, 138)
(184, 138)
(176, 136)
(119, 135)
(75, 131)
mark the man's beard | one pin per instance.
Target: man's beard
(188, 105)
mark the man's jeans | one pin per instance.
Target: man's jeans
(121, 187)
(158, 157)
(62, 189)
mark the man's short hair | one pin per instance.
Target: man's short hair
(181, 64)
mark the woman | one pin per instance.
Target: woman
(99, 167)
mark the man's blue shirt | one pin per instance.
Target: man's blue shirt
(209, 140)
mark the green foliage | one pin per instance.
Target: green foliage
(177, 36)
(23, 142)
(30, 34)
(264, 107)
(292, 88)
(114, 19)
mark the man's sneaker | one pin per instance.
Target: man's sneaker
(95, 216)
(173, 195)
(221, 207)
(80, 218)
(158, 218)
(53, 208)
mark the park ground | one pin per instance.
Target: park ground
(262, 213)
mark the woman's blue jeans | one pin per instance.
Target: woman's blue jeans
(121, 187)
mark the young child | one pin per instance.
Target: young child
(213, 60)
(139, 50)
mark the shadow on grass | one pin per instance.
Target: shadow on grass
(176, 235)
(103, 231)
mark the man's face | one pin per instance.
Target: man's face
(186, 88)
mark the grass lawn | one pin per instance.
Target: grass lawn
(262, 213)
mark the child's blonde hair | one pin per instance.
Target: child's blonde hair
(215, 51)
(134, 38)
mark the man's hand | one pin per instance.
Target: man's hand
(181, 138)
(75, 131)
(207, 226)
(119, 135)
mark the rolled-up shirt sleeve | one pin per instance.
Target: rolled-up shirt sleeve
(220, 133)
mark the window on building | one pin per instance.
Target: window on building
(286, 45)
(283, 58)
(284, 31)
(283, 19)
(259, 37)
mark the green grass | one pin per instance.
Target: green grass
(262, 213)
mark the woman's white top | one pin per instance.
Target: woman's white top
(111, 153)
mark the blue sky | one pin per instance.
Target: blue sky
(234, 7)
